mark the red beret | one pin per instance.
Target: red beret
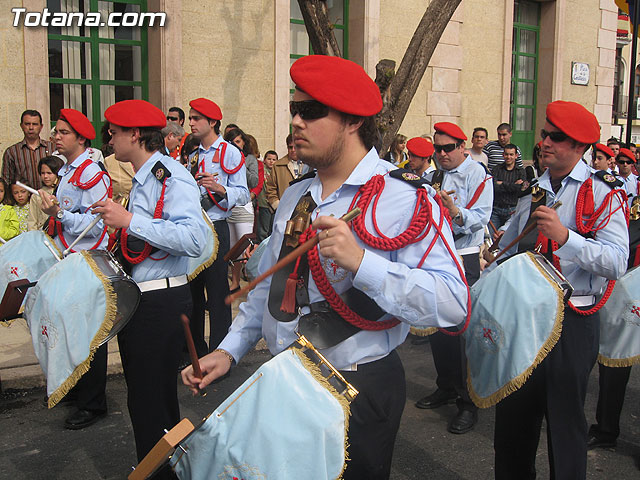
(207, 108)
(625, 152)
(338, 83)
(451, 129)
(604, 149)
(135, 113)
(78, 122)
(574, 120)
(420, 147)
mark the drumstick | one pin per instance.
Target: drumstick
(527, 230)
(192, 351)
(82, 234)
(493, 226)
(298, 252)
(2, 240)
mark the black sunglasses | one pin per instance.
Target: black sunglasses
(308, 109)
(172, 119)
(448, 148)
(625, 162)
(555, 137)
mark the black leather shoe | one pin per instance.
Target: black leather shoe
(82, 418)
(463, 422)
(595, 442)
(437, 399)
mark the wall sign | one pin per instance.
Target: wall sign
(580, 73)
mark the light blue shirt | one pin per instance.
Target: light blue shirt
(433, 295)
(182, 230)
(630, 186)
(235, 184)
(465, 180)
(586, 263)
(76, 204)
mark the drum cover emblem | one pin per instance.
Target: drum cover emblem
(244, 472)
(334, 272)
(489, 335)
(632, 315)
(48, 333)
(17, 270)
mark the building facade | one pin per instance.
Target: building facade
(497, 61)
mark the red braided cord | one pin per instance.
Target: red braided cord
(92, 182)
(225, 169)
(146, 251)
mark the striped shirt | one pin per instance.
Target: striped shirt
(494, 152)
(21, 161)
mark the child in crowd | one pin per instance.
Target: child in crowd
(9, 223)
(48, 168)
(21, 198)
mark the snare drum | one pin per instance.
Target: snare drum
(77, 306)
(287, 421)
(516, 319)
(620, 323)
(29, 256)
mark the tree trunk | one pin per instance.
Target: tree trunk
(404, 83)
(399, 88)
(320, 30)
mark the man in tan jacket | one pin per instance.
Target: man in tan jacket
(285, 170)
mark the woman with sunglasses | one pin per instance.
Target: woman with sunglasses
(589, 254)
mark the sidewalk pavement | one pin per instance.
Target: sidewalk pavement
(19, 367)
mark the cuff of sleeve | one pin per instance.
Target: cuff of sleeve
(235, 346)
(370, 276)
(65, 217)
(138, 225)
(570, 249)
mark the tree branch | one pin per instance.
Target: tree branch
(320, 30)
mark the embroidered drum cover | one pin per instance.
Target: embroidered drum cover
(620, 323)
(282, 423)
(26, 256)
(69, 312)
(516, 319)
(208, 256)
(251, 267)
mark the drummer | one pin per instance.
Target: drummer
(165, 223)
(613, 380)
(82, 182)
(557, 388)
(334, 132)
(467, 192)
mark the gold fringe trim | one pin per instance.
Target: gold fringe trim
(423, 332)
(207, 263)
(53, 244)
(344, 403)
(517, 382)
(99, 337)
(618, 362)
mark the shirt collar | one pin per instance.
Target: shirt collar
(364, 170)
(81, 158)
(581, 171)
(145, 170)
(214, 146)
(23, 143)
(466, 163)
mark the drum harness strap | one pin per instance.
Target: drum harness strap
(419, 227)
(55, 226)
(218, 157)
(136, 257)
(586, 217)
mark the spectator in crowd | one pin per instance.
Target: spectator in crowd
(173, 134)
(9, 223)
(396, 153)
(508, 180)
(190, 145)
(230, 126)
(265, 212)
(21, 197)
(478, 141)
(602, 158)
(285, 170)
(21, 159)
(614, 144)
(242, 217)
(176, 115)
(494, 149)
(48, 168)
(121, 173)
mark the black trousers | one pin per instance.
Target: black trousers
(265, 223)
(150, 348)
(448, 351)
(89, 392)
(214, 279)
(613, 385)
(556, 391)
(375, 417)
